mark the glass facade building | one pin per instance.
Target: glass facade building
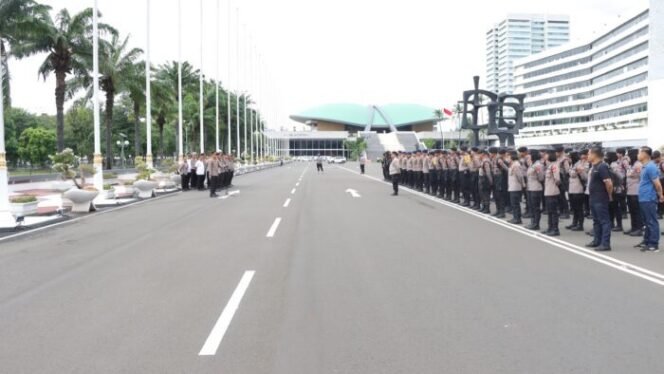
(518, 36)
(597, 91)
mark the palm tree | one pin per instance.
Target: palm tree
(21, 20)
(67, 42)
(163, 107)
(116, 65)
(136, 93)
(166, 77)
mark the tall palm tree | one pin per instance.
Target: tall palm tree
(164, 109)
(21, 20)
(116, 65)
(166, 77)
(136, 93)
(67, 40)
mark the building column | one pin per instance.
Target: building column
(655, 132)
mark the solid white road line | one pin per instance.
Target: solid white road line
(287, 203)
(297, 184)
(293, 191)
(273, 228)
(219, 330)
(612, 262)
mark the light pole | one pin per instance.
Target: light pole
(148, 97)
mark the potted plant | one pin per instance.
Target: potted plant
(24, 205)
(81, 195)
(143, 183)
(109, 191)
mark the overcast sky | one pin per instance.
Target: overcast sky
(317, 52)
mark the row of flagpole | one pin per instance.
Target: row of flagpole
(256, 80)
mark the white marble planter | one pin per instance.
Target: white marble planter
(81, 200)
(23, 209)
(176, 179)
(109, 194)
(124, 192)
(145, 188)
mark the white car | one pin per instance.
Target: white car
(339, 160)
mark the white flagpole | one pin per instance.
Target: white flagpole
(200, 81)
(97, 158)
(148, 97)
(237, 74)
(216, 106)
(180, 145)
(244, 67)
(251, 119)
(6, 218)
(229, 109)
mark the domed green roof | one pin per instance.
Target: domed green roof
(357, 115)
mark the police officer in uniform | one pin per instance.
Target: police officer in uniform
(474, 177)
(453, 179)
(485, 182)
(578, 178)
(516, 184)
(535, 178)
(525, 161)
(464, 175)
(564, 165)
(552, 194)
(497, 166)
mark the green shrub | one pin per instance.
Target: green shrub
(23, 199)
(110, 175)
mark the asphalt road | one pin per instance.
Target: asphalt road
(322, 283)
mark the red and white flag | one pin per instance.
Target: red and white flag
(448, 112)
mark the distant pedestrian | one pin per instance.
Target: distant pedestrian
(633, 181)
(395, 173)
(319, 163)
(200, 173)
(363, 162)
(650, 194)
(183, 170)
(600, 189)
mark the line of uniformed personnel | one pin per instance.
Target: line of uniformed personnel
(554, 181)
(215, 171)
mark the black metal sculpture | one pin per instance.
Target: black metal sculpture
(505, 114)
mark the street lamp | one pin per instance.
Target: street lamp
(122, 144)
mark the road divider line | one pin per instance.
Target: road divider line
(273, 228)
(293, 191)
(221, 326)
(287, 203)
(297, 184)
(612, 262)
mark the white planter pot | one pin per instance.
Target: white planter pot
(145, 188)
(109, 194)
(81, 200)
(124, 192)
(176, 179)
(25, 209)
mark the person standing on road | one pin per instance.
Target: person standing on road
(214, 170)
(650, 194)
(200, 173)
(600, 189)
(633, 181)
(363, 162)
(577, 186)
(535, 177)
(485, 180)
(395, 173)
(515, 185)
(183, 170)
(552, 194)
(319, 163)
(191, 163)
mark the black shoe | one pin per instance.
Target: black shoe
(527, 215)
(590, 233)
(515, 222)
(617, 229)
(638, 233)
(577, 228)
(533, 227)
(602, 248)
(395, 194)
(592, 245)
(464, 204)
(569, 227)
(641, 245)
(553, 233)
(501, 215)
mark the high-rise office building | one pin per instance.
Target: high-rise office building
(518, 36)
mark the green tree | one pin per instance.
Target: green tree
(116, 65)
(356, 147)
(20, 21)
(429, 143)
(67, 41)
(35, 144)
(136, 94)
(79, 130)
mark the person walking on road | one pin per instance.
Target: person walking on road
(363, 162)
(395, 173)
(319, 163)
(600, 188)
(650, 194)
(183, 170)
(200, 173)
